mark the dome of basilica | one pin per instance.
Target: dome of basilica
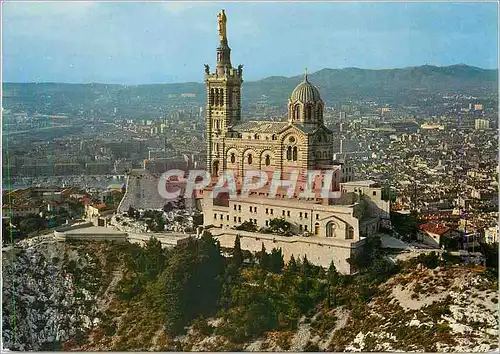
(305, 92)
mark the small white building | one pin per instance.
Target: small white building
(432, 233)
(481, 124)
(491, 234)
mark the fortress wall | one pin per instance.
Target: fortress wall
(64, 228)
(97, 237)
(168, 240)
(141, 192)
(85, 236)
(318, 252)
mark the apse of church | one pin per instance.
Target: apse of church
(300, 142)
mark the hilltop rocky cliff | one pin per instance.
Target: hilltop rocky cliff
(51, 292)
(69, 296)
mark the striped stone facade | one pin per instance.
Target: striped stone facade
(300, 142)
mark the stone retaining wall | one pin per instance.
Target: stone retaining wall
(319, 251)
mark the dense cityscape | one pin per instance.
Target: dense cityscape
(440, 164)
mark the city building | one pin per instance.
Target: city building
(481, 124)
(491, 234)
(99, 214)
(26, 209)
(433, 233)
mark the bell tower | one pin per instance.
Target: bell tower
(223, 100)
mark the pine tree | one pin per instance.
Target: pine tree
(237, 253)
(174, 317)
(263, 258)
(332, 275)
(292, 265)
(305, 269)
(276, 261)
(208, 272)
(153, 258)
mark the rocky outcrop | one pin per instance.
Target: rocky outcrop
(452, 309)
(49, 295)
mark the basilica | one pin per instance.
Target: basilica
(325, 229)
(301, 142)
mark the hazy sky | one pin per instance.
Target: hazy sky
(157, 42)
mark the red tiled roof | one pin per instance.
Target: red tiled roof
(439, 216)
(99, 206)
(86, 201)
(433, 228)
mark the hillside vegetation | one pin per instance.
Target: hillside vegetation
(105, 296)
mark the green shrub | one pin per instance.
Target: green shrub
(430, 260)
(109, 328)
(325, 322)
(311, 347)
(247, 226)
(418, 288)
(202, 326)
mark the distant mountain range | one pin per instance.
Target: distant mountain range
(353, 83)
(336, 85)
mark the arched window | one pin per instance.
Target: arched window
(330, 229)
(233, 158)
(249, 159)
(324, 154)
(268, 160)
(212, 97)
(256, 136)
(350, 233)
(316, 229)
(308, 112)
(296, 112)
(216, 101)
(289, 153)
(274, 137)
(221, 98)
(215, 169)
(294, 153)
(217, 124)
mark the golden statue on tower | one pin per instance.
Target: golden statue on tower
(221, 17)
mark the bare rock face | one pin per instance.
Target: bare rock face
(451, 310)
(49, 295)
